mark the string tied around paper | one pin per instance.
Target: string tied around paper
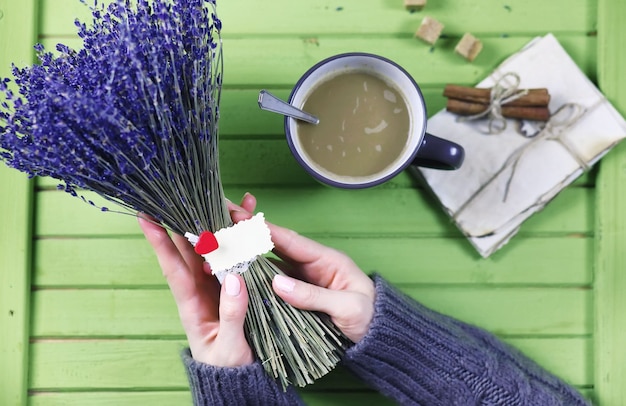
(505, 90)
(566, 115)
(564, 118)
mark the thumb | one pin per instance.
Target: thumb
(232, 310)
(230, 348)
(233, 304)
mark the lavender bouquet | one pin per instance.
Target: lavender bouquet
(133, 116)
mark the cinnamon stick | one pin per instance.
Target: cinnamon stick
(464, 108)
(535, 97)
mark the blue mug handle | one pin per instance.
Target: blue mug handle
(437, 153)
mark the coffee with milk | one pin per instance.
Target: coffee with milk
(364, 124)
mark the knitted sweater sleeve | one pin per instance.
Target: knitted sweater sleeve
(419, 357)
(244, 385)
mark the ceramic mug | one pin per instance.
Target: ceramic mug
(370, 95)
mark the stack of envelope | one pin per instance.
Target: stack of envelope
(510, 175)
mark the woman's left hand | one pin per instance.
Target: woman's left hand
(212, 316)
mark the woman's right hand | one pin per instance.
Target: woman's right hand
(320, 278)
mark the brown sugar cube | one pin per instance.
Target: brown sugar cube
(414, 4)
(430, 30)
(469, 47)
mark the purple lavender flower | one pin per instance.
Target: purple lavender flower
(132, 115)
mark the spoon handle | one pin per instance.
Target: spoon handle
(269, 102)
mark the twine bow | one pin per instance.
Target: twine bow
(500, 94)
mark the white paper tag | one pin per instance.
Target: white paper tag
(238, 245)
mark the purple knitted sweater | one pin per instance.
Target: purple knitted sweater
(412, 355)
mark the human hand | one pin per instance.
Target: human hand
(320, 278)
(212, 317)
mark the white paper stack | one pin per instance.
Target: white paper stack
(507, 177)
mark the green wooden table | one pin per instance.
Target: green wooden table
(86, 318)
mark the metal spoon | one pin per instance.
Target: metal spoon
(269, 102)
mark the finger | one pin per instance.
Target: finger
(238, 214)
(205, 284)
(173, 265)
(233, 307)
(350, 311)
(293, 247)
(247, 205)
(248, 202)
(193, 260)
(233, 300)
(304, 295)
(288, 243)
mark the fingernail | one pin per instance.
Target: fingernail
(283, 283)
(232, 286)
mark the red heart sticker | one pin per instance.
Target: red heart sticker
(206, 243)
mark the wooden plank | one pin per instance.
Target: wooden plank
(93, 365)
(177, 399)
(279, 61)
(440, 66)
(513, 311)
(531, 261)
(17, 30)
(108, 398)
(104, 313)
(161, 398)
(88, 262)
(610, 278)
(15, 263)
(240, 173)
(268, 162)
(353, 18)
(571, 359)
(240, 115)
(143, 312)
(388, 212)
(97, 364)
